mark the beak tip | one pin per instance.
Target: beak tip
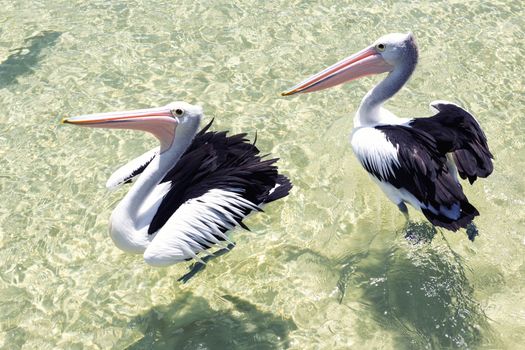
(287, 93)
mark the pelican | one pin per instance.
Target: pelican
(189, 191)
(415, 161)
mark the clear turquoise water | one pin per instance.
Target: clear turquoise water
(326, 268)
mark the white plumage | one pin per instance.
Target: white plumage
(371, 147)
(196, 223)
(126, 173)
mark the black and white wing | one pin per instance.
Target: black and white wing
(218, 181)
(409, 160)
(197, 225)
(456, 131)
(128, 172)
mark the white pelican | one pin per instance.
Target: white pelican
(190, 190)
(414, 161)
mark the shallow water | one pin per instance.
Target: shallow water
(326, 268)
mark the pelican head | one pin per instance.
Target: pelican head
(162, 122)
(384, 55)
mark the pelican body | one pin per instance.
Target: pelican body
(188, 192)
(414, 161)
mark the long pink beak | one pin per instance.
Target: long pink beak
(160, 121)
(365, 62)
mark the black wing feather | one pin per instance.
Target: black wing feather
(217, 161)
(423, 171)
(456, 130)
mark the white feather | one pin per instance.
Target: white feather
(371, 146)
(399, 195)
(197, 220)
(124, 172)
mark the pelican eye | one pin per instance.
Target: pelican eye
(178, 112)
(380, 47)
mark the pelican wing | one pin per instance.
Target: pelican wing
(197, 225)
(456, 130)
(409, 160)
(217, 161)
(128, 172)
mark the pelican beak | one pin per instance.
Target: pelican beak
(365, 62)
(160, 122)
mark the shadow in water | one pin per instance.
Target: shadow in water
(23, 60)
(417, 292)
(419, 232)
(190, 323)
